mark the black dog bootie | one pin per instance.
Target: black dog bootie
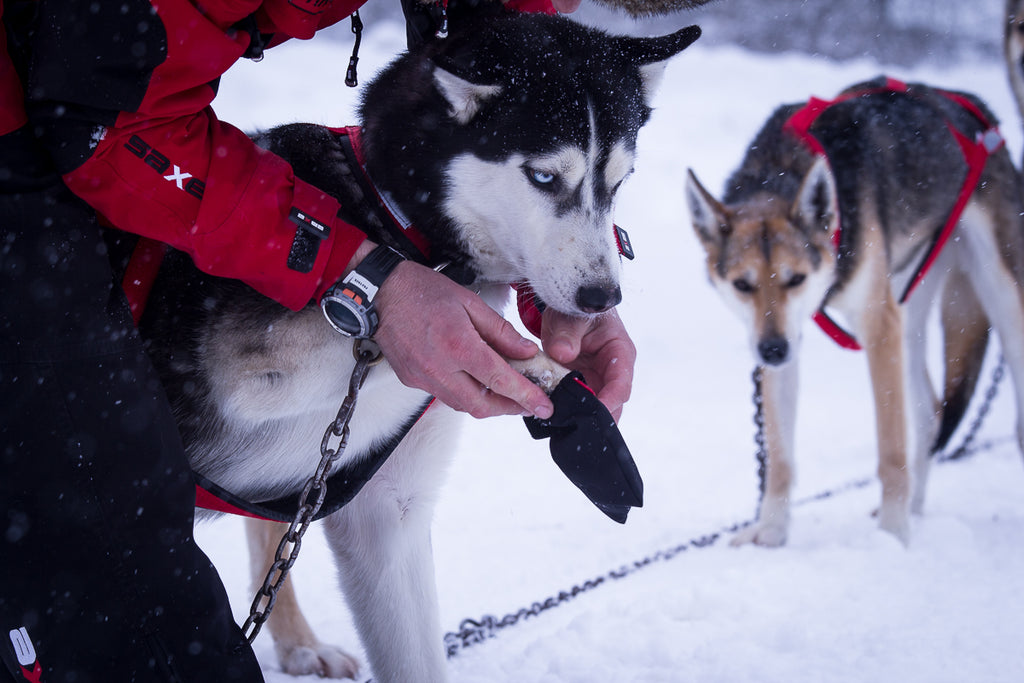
(587, 446)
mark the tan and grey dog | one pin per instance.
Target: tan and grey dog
(836, 209)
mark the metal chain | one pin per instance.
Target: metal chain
(291, 542)
(475, 631)
(965, 449)
(761, 452)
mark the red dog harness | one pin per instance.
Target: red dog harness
(976, 153)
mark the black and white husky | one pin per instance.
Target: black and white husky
(504, 145)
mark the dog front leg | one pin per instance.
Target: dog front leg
(298, 649)
(381, 541)
(778, 395)
(885, 349)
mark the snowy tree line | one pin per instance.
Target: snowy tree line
(901, 32)
(891, 31)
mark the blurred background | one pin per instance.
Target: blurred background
(901, 32)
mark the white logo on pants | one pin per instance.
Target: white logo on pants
(23, 647)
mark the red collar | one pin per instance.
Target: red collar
(976, 153)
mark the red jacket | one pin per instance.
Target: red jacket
(122, 93)
(123, 100)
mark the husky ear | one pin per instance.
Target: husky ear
(816, 208)
(707, 214)
(651, 55)
(464, 98)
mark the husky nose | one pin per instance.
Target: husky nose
(597, 299)
(773, 350)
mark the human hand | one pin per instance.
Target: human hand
(598, 347)
(443, 339)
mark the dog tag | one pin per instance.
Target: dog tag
(622, 239)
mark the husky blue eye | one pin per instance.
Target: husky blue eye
(541, 179)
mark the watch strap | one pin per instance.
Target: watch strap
(375, 268)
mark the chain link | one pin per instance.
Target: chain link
(291, 542)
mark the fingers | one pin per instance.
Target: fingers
(499, 333)
(618, 382)
(482, 383)
(442, 339)
(466, 394)
(599, 348)
(562, 334)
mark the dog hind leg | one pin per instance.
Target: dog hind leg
(299, 651)
(1001, 296)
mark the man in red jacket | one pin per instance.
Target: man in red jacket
(105, 111)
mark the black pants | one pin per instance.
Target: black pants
(100, 577)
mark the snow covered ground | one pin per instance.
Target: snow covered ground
(842, 602)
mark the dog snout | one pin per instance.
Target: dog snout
(597, 299)
(773, 350)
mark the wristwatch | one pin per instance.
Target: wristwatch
(348, 305)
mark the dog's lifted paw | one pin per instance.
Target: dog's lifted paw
(765, 535)
(541, 370)
(326, 661)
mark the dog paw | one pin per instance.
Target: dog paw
(896, 523)
(326, 661)
(541, 370)
(917, 504)
(765, 535)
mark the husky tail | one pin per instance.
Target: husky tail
(965, 330)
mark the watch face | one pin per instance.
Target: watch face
(349, 311)
(348, 305)
(342, 317)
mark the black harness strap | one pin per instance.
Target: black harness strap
(398, 232)
(342, 486)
